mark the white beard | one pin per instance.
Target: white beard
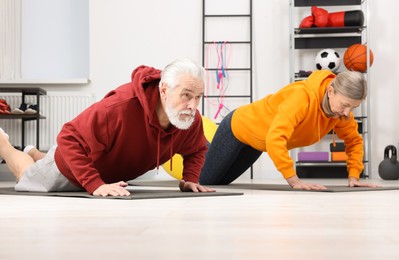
(174, 118)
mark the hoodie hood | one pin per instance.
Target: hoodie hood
(142, 78)
(318, 82)
(144, 86)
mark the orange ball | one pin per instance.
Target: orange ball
(355, 58)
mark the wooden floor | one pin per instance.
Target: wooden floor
(256, 225)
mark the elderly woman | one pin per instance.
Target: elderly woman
(299, 114)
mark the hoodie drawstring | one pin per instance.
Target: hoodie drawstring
(158, 150)
(171, 155)
(318, 127)
(332, 133)
(333, 138)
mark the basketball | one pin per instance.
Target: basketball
(355, 58)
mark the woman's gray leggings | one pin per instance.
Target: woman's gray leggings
(227, 158)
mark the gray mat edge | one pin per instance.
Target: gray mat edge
(264, 186)
(149, 194)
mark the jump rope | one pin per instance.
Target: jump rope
(221, 74)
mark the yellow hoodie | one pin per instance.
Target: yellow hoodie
(293, 117)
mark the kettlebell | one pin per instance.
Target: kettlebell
(389, 167)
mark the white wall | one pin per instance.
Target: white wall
(384, 89)
(128, 33)
(125, 34)
(54, 39)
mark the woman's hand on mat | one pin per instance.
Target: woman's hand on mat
(113, 189)
(296, 183)
(195, 187)
(354, 182)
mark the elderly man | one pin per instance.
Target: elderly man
(133, 129)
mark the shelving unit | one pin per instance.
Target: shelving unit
(315, 38)
(26, 117)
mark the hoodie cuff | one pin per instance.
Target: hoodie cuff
(354, 174)
(288, 173)
(191, 177)
(93, 185)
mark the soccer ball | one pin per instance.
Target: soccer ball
(327, 59)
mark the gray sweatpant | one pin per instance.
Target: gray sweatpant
(44, 176)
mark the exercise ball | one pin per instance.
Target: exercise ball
(177, 169)
(209, 128)
(355, 57)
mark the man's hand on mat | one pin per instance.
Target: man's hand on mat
(296, 183)
(191, 186)
(113, 189)
(353, 182)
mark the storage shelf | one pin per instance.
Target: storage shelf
(331, 170)
(329, 30)
(26, 91)
(326, 42)
(322, 163)
(26, 117)
(320, 172)
(300, 3)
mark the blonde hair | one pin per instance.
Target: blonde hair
(351, 84)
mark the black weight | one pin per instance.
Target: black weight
(389, 167)
(393, 151)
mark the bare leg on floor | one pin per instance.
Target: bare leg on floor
(17, 161)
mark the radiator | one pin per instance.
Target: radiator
(57, 107)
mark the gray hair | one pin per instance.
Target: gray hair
(173, 71)
(351, 84)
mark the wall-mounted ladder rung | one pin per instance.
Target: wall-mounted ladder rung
(206, 44)
(227, 15)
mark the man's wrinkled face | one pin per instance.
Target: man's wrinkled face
(183, 100)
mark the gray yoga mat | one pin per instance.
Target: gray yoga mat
(262, 186)
(135, 194)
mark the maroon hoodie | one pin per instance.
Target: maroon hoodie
(119, 138)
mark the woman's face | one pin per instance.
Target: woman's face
(341, 105)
